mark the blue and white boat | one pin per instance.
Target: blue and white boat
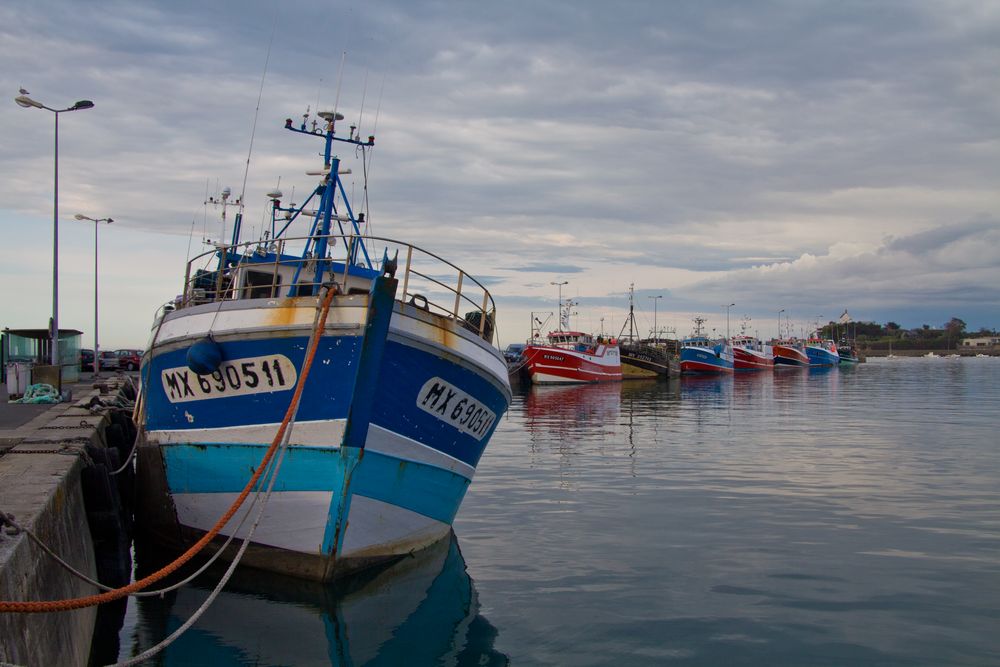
(822, 352)
(701, 356)
(405, 389)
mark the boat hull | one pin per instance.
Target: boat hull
(701, 361)
(557, 365)
(819, 356)
(749, 360)
(339, 503)
(644, 361)
(786, 355)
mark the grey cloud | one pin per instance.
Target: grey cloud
(708, 137)
(934, 239)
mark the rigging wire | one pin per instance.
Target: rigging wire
(367, 165)
(256, 113)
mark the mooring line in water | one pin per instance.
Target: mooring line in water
(167, 641)
(9, 519)
(92, 600)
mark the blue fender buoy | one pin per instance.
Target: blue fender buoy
(205, 356)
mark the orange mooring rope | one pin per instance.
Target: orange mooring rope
(91, 600)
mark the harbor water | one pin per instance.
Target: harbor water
(843, 516)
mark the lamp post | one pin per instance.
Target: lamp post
(560, 310)
(727, 321)
(779, 322)
(97, 223)
(26, 102)
(656, 333)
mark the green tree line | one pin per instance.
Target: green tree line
(876, 336)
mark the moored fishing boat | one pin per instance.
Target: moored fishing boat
(750, 354)
(789, 352)
(387, 387)
(848, 352)
(822, 352)
(642, 359)
(571, 357)
(700, 356)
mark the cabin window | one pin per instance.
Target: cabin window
(258, 284)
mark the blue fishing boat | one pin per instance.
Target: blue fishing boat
(822, 352)
(367, 362)
(699, 355)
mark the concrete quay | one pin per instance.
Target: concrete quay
(42, 459)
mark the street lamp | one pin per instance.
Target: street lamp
(779, 322)
(96, 221)
(26, 102)
(656, 334)
(565, 282)
(727, 320)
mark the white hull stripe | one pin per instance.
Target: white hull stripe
(260, 315)
(346, 320)
(294, 520)
(323, 433)
(386, 442)
(377, 528)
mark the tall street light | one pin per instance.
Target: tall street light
(656, 333)
(97, 223)
(26, 102)
(779, 322)
(727, 320)
(560, 311)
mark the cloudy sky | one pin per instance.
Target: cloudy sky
(806, 156)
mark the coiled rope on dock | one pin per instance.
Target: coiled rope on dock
(46, 606)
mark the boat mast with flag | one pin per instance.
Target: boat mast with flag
(365, 364)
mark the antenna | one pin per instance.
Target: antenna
(340, 78)
(364, 93)
(223, 201)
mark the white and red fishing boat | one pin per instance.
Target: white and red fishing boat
(572, 357)
(750, 354)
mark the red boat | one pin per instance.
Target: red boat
(572, 357)
(750, 354)
(790, 352)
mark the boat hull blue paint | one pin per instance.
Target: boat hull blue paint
(432, 414)
(819, 356)
(696, 360)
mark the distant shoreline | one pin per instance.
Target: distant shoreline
(993, 352)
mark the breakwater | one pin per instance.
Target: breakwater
(57, 489)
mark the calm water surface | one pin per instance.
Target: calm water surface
(840, 517)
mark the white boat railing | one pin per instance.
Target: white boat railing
(427, 281)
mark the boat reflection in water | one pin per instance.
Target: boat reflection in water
(707, 390)
(568, 409)
(422, 610)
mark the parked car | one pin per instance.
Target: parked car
(129, 360)
(86, 360)
(513, 351)
(109, 360)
